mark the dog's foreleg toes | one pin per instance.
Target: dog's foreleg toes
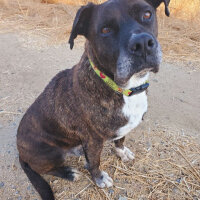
(69, 173)
(104, 180)
(125, 154)
(76, 151)
(75, 175)
(66, 173)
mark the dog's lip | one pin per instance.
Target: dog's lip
(145, 69)
(141, 75)
(143, 72)
(122, 82)
(155, 69)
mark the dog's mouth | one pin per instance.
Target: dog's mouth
(128, 66)
(140, 73)
(144, 71)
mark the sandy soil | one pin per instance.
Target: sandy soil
(174, 100)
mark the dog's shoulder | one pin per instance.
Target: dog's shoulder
(63, 78)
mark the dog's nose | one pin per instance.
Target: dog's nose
(141, 44)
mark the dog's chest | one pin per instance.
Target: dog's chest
(133, 109)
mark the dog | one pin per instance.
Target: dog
(101, 98)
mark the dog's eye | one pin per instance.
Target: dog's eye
(106, 30)
(147, 15)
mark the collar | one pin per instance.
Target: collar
(115, 87)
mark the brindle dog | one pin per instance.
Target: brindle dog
(77, 110)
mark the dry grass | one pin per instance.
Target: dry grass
(179, 34)
(72, 2)
(167, 166)
(31, 18)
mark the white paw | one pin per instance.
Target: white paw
(104, 180)
(125, 154)
(76, 174)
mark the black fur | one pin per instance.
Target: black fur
(156, 4)
(81, 23)
(64, 172)
(38, 182)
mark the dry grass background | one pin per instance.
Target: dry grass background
(167, 167)
(179, 34)
(167, 162)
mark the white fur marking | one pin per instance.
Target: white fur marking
(134, 108)
(75, 151)
(76, 174)
(124, 65)
(159, 53)
(104, 181)
(125, 154)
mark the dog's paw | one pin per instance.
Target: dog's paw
(104, 180)
(76, 151)
(125, 154)
(76, 174)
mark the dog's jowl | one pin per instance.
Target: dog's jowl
(101, 98)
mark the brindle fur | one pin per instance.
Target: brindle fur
(70, 112)
(76, 108)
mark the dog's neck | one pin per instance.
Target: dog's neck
(87, 80)
(91, 53)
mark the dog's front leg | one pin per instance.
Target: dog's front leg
(123, 152)
(92, 150)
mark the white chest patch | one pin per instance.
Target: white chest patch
(134, 107)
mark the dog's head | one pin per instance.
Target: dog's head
(121, 36)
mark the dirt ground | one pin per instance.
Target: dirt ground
(174, 104)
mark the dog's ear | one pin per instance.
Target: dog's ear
(81, 23)
(156, 3)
